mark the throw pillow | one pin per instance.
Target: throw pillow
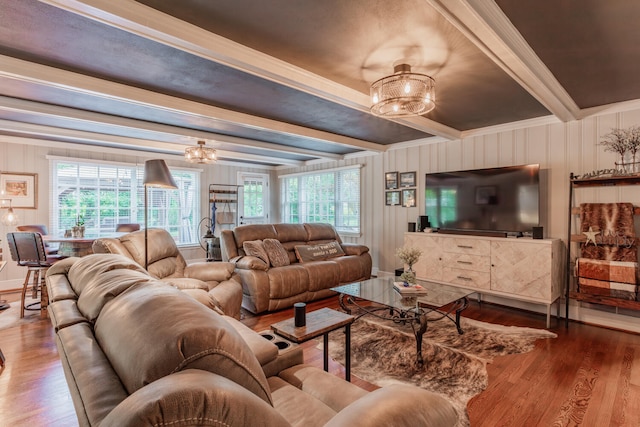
(278, 256)
(320, 252)
(255, 248)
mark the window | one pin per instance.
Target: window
(254, 204)
(327, 196)
(105, 194)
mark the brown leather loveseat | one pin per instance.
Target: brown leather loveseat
(272, 281)
(138, 352)
(212, 283)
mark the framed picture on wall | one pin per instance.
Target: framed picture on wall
(392, 198)
(21, 188)
(409, 198)
(408, 179)
(391, 180)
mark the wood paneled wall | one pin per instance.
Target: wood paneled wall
(559, 148)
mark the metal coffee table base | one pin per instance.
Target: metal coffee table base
(417, 317)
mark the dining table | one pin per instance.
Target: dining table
(71, 246)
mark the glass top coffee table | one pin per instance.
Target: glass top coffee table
(438, 302)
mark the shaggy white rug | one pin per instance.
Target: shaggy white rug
(455, 365)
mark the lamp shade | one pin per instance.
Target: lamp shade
(157, 174)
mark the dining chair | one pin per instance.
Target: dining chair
(127, 228)
(27, 249)
(42, 229)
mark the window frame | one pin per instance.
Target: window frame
(132, 175)
(293, 211)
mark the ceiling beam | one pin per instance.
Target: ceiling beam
(195, 113)
(139, 19)
(485, 25)
(49, 133)
(153, 131)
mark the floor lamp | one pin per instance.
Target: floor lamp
(156, 174)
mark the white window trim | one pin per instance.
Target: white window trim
(137, 165)
(330, 170)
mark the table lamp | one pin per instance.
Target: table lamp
(156, 174)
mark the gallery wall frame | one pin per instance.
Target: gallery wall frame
(21, 188)
(391, 180)
(409, 198)
(407, 179)
(392, 198)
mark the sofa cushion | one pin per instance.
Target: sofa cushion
(172, 333)
(353, 268)
(193, 398)
(288, 281)
(322, 275)
(320, 252)
(290, 232)
(97, 383)
(288, 401)
(90, 267)
(328, 388)
(109, 285)
(278, 256)
(255, 248)
(244, 233)
(321, 232)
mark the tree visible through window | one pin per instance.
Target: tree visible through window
(328, 196)
(105, 194)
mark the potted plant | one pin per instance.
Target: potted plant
(617, 141)
(633, 145)
(78, 229)
(409, 256)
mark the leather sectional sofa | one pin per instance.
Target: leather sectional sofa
(213, 284)
(269, 287)
(138, 352)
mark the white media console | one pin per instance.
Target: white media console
(524, 269)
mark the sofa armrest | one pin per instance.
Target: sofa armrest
(209, 271)
(227, 296)
(397, 405)
(193, 397)
(251, 263)
(354, 249)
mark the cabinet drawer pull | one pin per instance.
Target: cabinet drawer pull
(465, 246)
(465, 262)
(465, 278)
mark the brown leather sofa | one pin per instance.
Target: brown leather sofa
(269, 288)
(137, 352)
(212, 283)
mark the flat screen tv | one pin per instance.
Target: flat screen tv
(505, 199)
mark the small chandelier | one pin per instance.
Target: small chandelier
(200, 154)
(403, 94)
(9, 218)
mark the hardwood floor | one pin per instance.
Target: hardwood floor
(588, 376)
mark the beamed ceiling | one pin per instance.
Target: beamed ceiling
(280, 82)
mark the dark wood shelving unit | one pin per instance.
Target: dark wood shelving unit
(571, 284)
